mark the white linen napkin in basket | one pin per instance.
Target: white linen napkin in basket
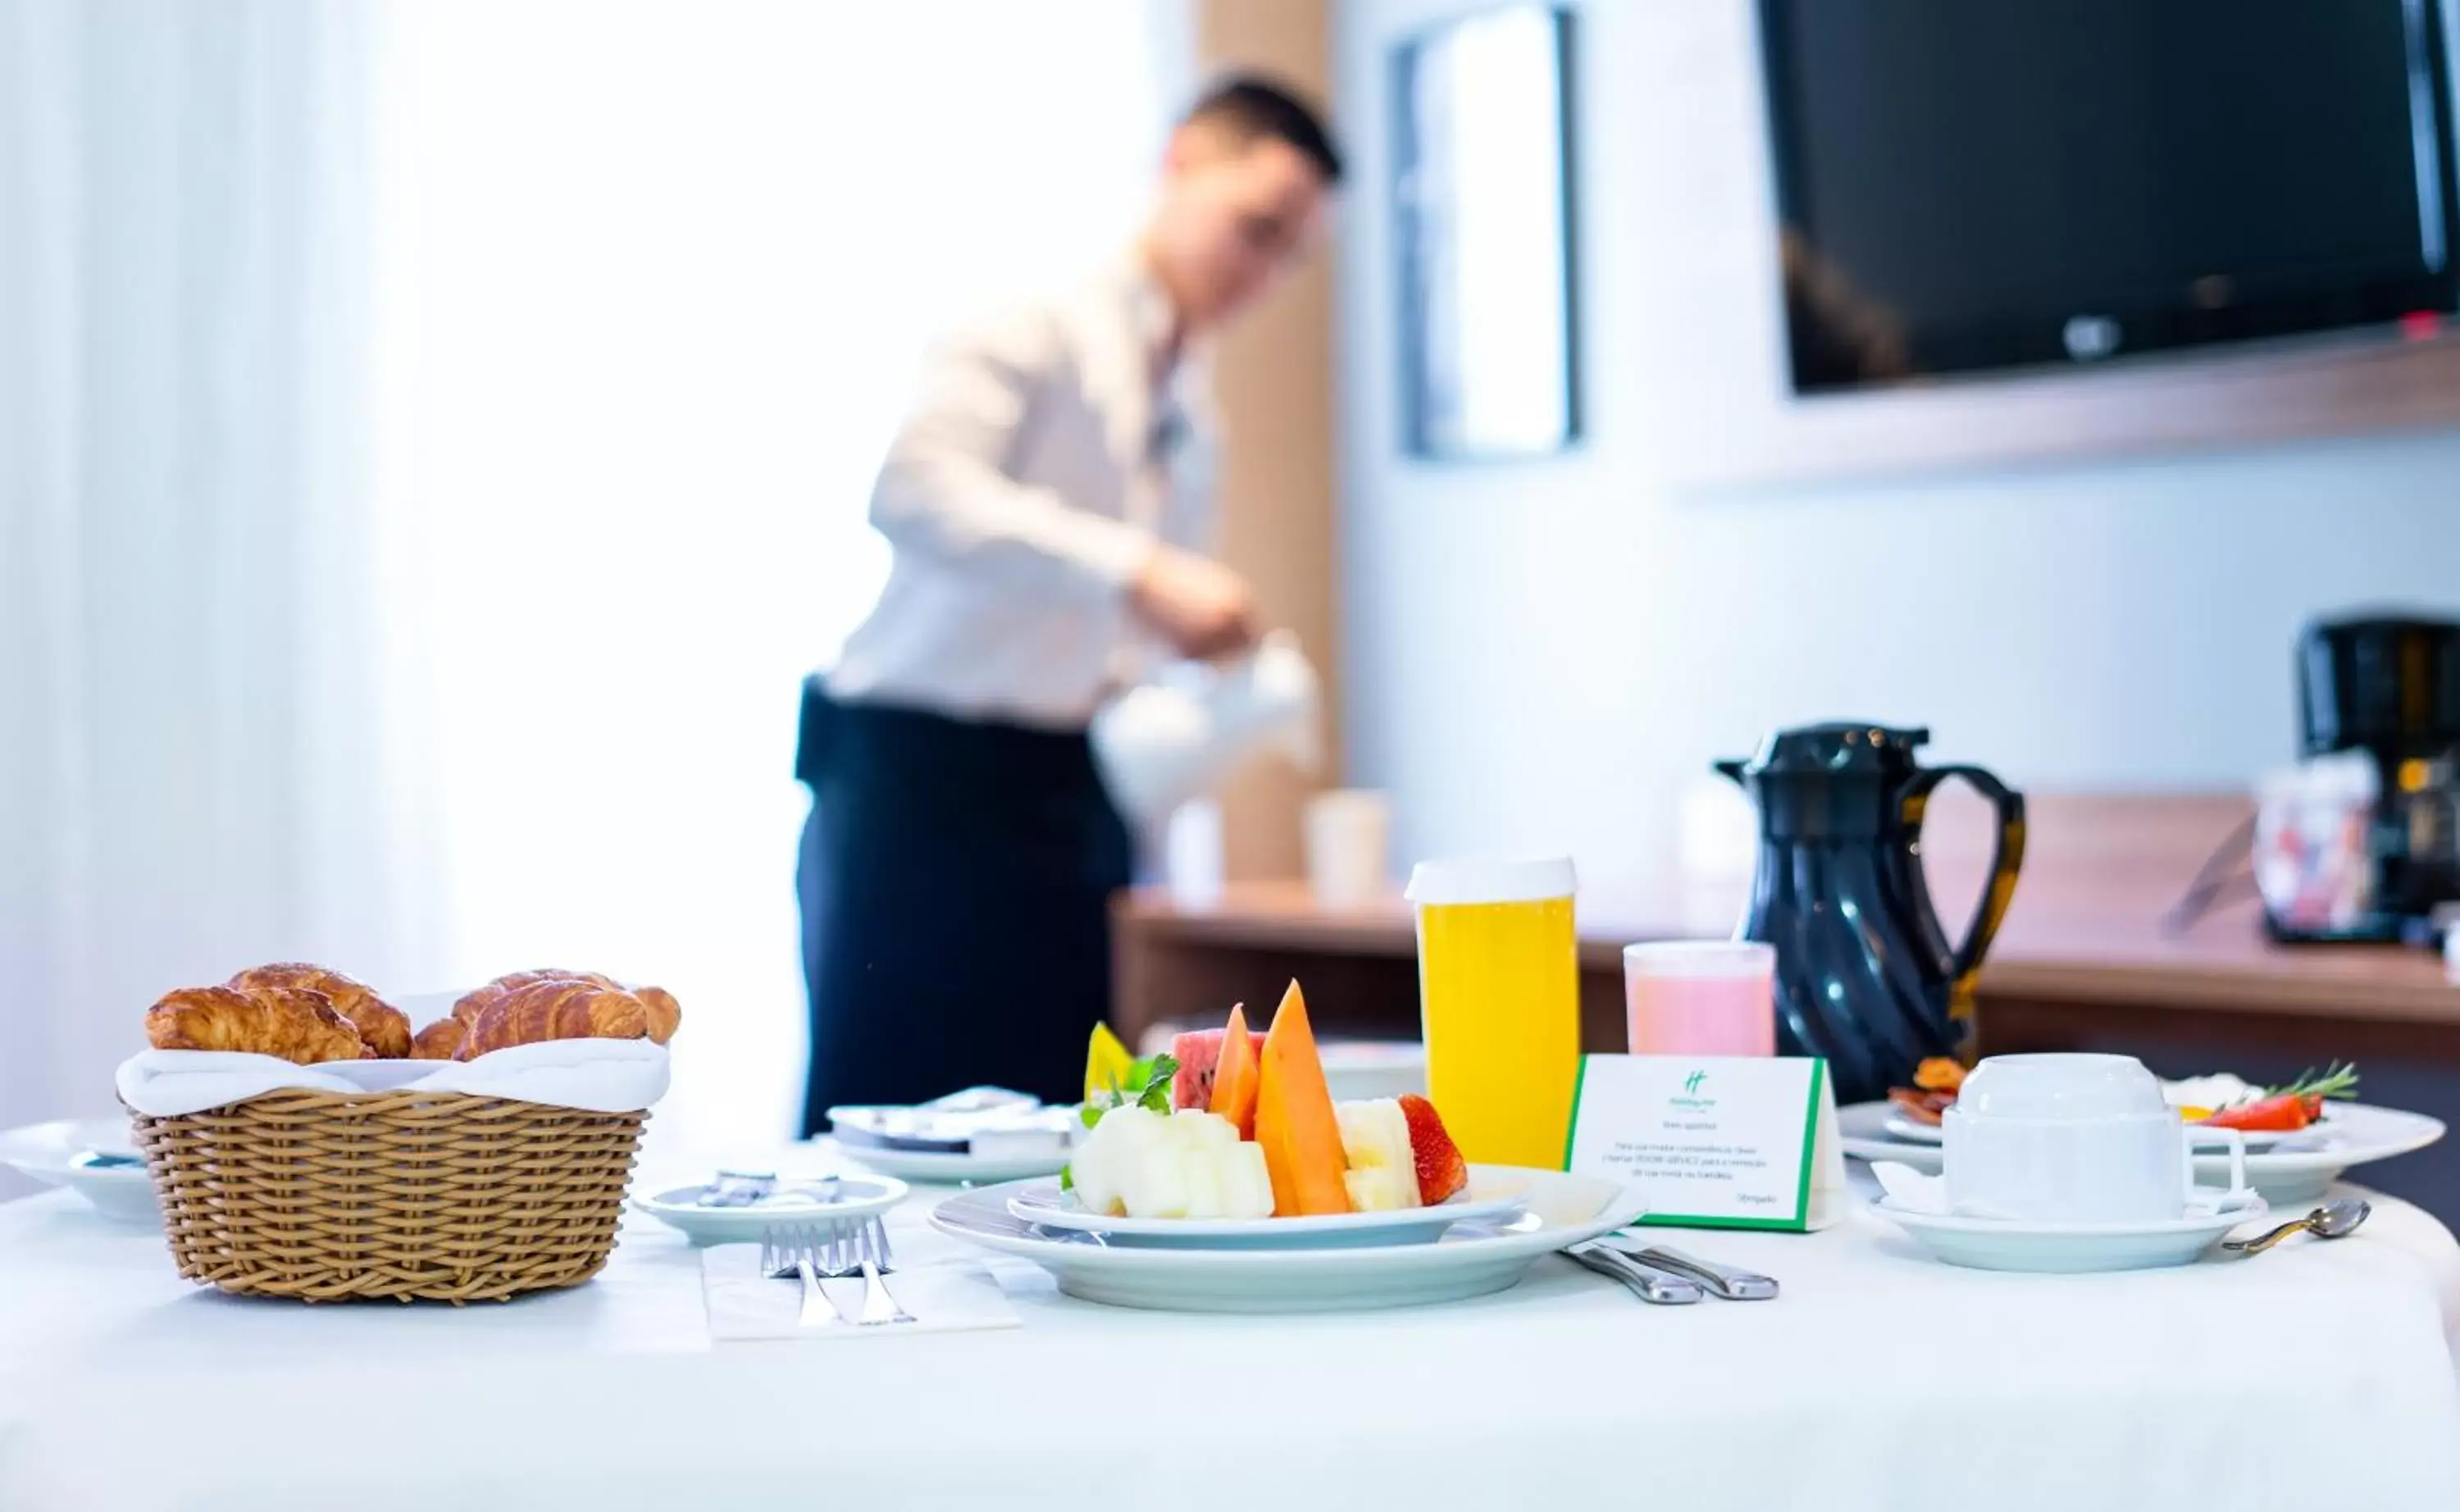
(950, 1297)
(595, 1075)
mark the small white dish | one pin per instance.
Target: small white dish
(797, 1202)
(1990, 1243)
(92, 1158)
(951, 1167)
(1048, 1207)
(975, 1137)
(1471, 1260)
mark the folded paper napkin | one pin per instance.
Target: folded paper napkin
(1919, 1192)
(596, 1076)
(945, 1298)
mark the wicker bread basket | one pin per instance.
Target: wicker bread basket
(407, 1195)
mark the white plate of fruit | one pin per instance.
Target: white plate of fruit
(1233, 1140)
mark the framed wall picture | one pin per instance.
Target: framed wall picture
(1482, 196)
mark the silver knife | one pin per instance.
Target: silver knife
(1646, 1282)
(1729, 1283)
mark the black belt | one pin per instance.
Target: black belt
(838, 736)
(813, 740)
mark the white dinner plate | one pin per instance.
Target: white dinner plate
(1862, 1128)
(1470, 1260)
(1988, 1243)
(1043, 1203)
(798, 1200)
(1899, 1127)
(2289, 1173)
(2293, 1173)
(92, 1158)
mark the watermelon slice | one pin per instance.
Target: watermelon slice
(1199, 1053)
(1441, 1171)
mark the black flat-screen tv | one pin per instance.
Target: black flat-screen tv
(1973, 184)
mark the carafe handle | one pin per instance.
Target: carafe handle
(2006, 858)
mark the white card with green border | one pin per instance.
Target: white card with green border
(1715, 1142)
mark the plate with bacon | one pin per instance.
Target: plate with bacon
(2299, 1138)
(2305, 1110)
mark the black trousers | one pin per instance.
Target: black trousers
(956, 879)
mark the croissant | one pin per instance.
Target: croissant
(478, 1000)
(557, 1010)
(384, 1029)
(440, 1040)
(664, 1013)
(298, 1024)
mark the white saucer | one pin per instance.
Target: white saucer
(1046, 1205)
(796, 1202)
(1990, 1243)
(92, 1158)
(1469, 1261)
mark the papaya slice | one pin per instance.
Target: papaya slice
(1294, 1119)
(1236, 1076)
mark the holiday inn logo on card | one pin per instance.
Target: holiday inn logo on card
(1690, 1098)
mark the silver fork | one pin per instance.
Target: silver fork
(872, 1255)
(795, 1251)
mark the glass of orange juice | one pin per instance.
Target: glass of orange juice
(1499, 993)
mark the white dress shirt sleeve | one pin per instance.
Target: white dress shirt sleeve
(942, 492)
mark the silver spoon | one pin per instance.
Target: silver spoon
(2333, 1221)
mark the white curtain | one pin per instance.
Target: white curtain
(434, 439)
(652, 278)
(192, 747)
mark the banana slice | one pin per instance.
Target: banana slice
(1375, 1143)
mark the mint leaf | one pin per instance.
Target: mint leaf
(1158, 1084)
(1067, 1177)
(1148, 1086)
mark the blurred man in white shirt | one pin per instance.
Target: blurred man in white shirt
(1049, 501)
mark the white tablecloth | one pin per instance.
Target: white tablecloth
(1880, 1380)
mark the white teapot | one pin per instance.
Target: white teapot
(1163, 742)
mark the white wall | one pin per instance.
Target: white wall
(1540, 654)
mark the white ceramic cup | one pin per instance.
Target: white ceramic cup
(2071, 1138)
(1348, 846)
(1192, 864)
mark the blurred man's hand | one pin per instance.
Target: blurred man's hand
(1200, 607)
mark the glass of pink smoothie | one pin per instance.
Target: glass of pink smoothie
(1700, 997)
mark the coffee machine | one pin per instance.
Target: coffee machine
(2387, 687)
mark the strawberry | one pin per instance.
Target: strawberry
(1441, 1171)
